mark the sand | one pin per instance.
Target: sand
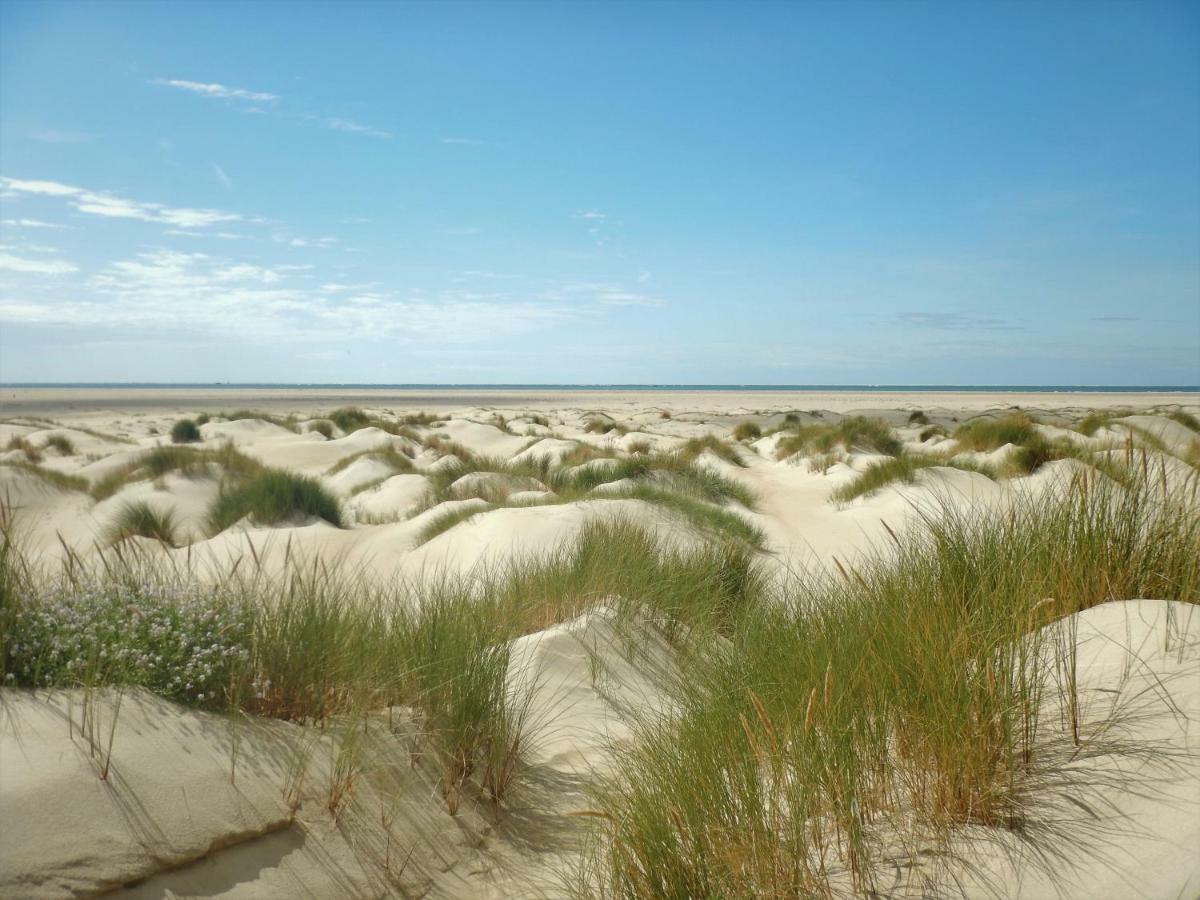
(182, 813)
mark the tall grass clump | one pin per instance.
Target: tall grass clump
(61, 444)
(886, 705)
(32, 453)
(349, 418)
(988, 434)
(185, 431)
(191, 462)
(693, 447)
(603, 426)
(61, 480)
(854, 433)
(397, 460)
(1186, 419)
(747, 431)
(272, 497)
(1094, 421)
(140, 519)
(902, 468)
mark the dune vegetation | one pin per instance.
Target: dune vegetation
(854, 433)
(814, 726)
(271, 497)
(185, 431)
(795, 757)
(786, 756)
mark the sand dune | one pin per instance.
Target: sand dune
(172, 801)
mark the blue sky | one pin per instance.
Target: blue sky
(610, 192)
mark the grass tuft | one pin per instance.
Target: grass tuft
(854, 433)
(693, 447)
(52, 477)
(32, 453)
(747, 431)
(61, 444)
(1186, 419)
(902, 468)
(349, 418)
(271, 497)
(985, 434)
(142, 520)
(888, 703)
(185, 431)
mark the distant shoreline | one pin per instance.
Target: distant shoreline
(648, 388)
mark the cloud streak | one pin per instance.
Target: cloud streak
(352, 127)
(111, 206)
(36, 266)
(218, 91)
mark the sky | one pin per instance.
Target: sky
(683, 193)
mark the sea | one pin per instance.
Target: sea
(847, 388)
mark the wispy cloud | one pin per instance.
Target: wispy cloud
(36, 266)
(170, 291)
(294, 241)
(356, 128)
(464, 142)
(951, 321)
(335, 287)
(591, 215)
(114, 207)
(219, 91)
(30, 223)
(603, 294)
(1114, 318)
(224, 179)
(220, 235)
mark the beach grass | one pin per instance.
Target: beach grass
(396, 459)
(185, 431)
(61, 444)
(61, 480)
(854, 433)
(140, 519)
(271, 497)
(902, 469)
(747, 431)
(32, 454)
(900, 695)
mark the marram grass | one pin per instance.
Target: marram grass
(812, 713)
(896, 697)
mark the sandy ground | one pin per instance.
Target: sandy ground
(181, 817)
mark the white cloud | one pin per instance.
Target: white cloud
(604, 294)
(169, 291)
(356, 128)
(113, 207)
(29, 223)
(293, 241)
(334, 287)
(222, 235)
(217, 90)
(591, 214)
(465, 142)
(224, 179)
(36, 266)
(50, 188)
